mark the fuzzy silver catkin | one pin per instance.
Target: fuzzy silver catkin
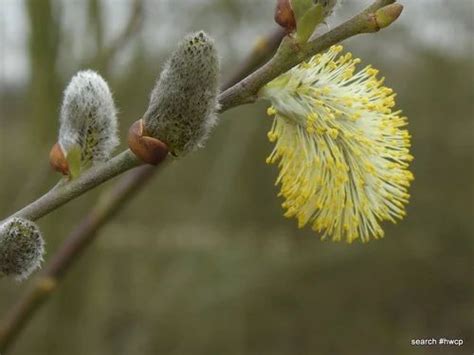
(21, 248)
(183, 103)
(88, 118)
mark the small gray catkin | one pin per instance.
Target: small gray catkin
(21, 248)
(183, 103)
(88, 118)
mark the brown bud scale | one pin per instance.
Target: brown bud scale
(57, 160)
(150, 150)
(285, 16)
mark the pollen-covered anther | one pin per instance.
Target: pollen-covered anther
(149, 149)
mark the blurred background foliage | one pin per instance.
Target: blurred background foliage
(202, 261)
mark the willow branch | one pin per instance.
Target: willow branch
(64, 193)
(288, 55)
(264, 47)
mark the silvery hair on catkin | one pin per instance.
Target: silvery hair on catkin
(183, 103)
(88, 118)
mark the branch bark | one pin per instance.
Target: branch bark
(65, 192)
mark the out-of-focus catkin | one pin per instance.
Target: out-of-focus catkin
(21, 248)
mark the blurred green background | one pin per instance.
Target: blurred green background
(202, 261)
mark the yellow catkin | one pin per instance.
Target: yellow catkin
(343, 153)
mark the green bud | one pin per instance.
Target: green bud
(308, 22)
(387, 15)
(309, 14)
(328, 5)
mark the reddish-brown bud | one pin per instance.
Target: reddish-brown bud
(284, 15)
(57, 160)
(150, 150)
